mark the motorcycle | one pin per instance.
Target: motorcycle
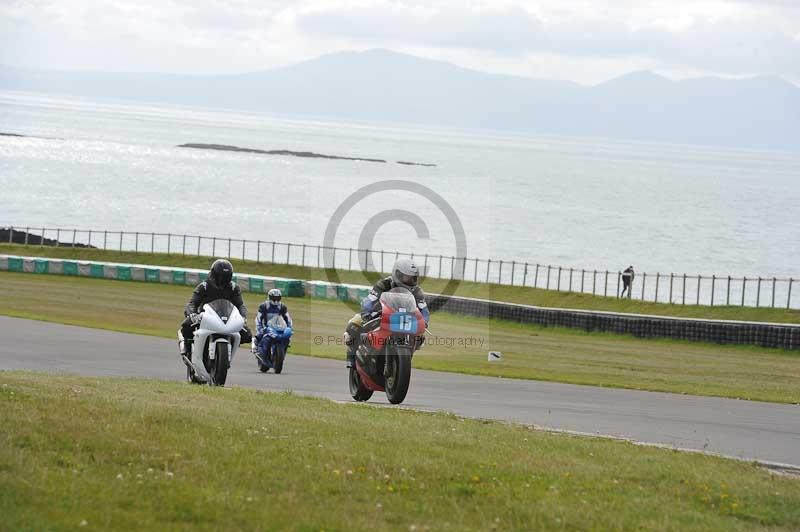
(388, 342)
(280, 334)
(215, 343)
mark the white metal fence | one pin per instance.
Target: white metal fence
(683, 289)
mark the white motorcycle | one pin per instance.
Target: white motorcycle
(215, 343)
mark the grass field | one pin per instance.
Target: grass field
(512, 294)
(101, 454)
(529, 352)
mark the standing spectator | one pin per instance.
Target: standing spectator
(627, 281)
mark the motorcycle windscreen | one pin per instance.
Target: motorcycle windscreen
(223, 308)
(404, 316)
(277, 322)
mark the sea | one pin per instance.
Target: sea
(571, 202)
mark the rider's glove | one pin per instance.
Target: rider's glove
(196, 317)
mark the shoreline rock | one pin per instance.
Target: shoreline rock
(306, 154)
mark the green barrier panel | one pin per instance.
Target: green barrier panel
(295, 289)
(15, 265)
(178, 277)
(202, 276)
(341, 293)
(70, 268)
(152, 276)
(257, 285)
(320, 291)
(97, 270)
(283, 286)
(124, 273)
(361, 293)
(41, 266)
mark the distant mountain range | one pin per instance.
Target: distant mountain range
(380, 85)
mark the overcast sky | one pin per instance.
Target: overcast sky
(584, 41)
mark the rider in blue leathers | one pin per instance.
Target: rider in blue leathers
(266, 311)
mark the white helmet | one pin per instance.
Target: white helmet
(274, 295)
(405, 273)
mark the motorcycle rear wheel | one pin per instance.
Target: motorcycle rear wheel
(399, 375)
(357, 389)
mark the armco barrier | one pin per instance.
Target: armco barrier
(785, 336)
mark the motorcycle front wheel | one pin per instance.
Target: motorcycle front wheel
(280, 355)
(220, 364)
(398, 376)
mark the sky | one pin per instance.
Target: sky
(583, 41)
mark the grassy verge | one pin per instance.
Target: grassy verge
(512, 294)
(104, 454)
(529, 352)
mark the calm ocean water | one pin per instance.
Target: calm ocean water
(573, 202)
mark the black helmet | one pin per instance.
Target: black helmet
(274, 295)
(221, 272)
(405, 273)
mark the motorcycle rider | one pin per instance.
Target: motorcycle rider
(267, 310)
(218, 285)
(405, 274)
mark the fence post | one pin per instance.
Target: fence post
(713, 286)
(214, 247)
(382, 270)
(350, 259)
(120, 241)
(525, 276)
(658, 278)
(500, 274)
(136, 242)
(258, 252)
(105, 239)
(488, 267)
(229, 248)
(199, 240)
(547, 286)
(619, 279)
(26, 237)
(11, 235)
(28, 232)
(683, 295)
(152, 242)
(288, 252)
(41, 240)
(303, 260)
(513, 266)
(773, 291)
(728, 293)
(758, 293)
(536, 277)
(74, 235)
(243, 248)
(476, 270)
(744, 285)
(452, 266)
(789, 295)
(463, 268)
(273, 255)
(583, 274)
(319, 253)
(644, 280)
(169, 242)
(671, 278)
(558, 283)
(439, 273)
(699, 278)
(570, 280)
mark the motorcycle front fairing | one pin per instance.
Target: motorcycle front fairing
(221, 322)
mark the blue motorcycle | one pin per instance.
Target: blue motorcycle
(278, 335)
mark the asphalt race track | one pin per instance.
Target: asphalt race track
(743, 429)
